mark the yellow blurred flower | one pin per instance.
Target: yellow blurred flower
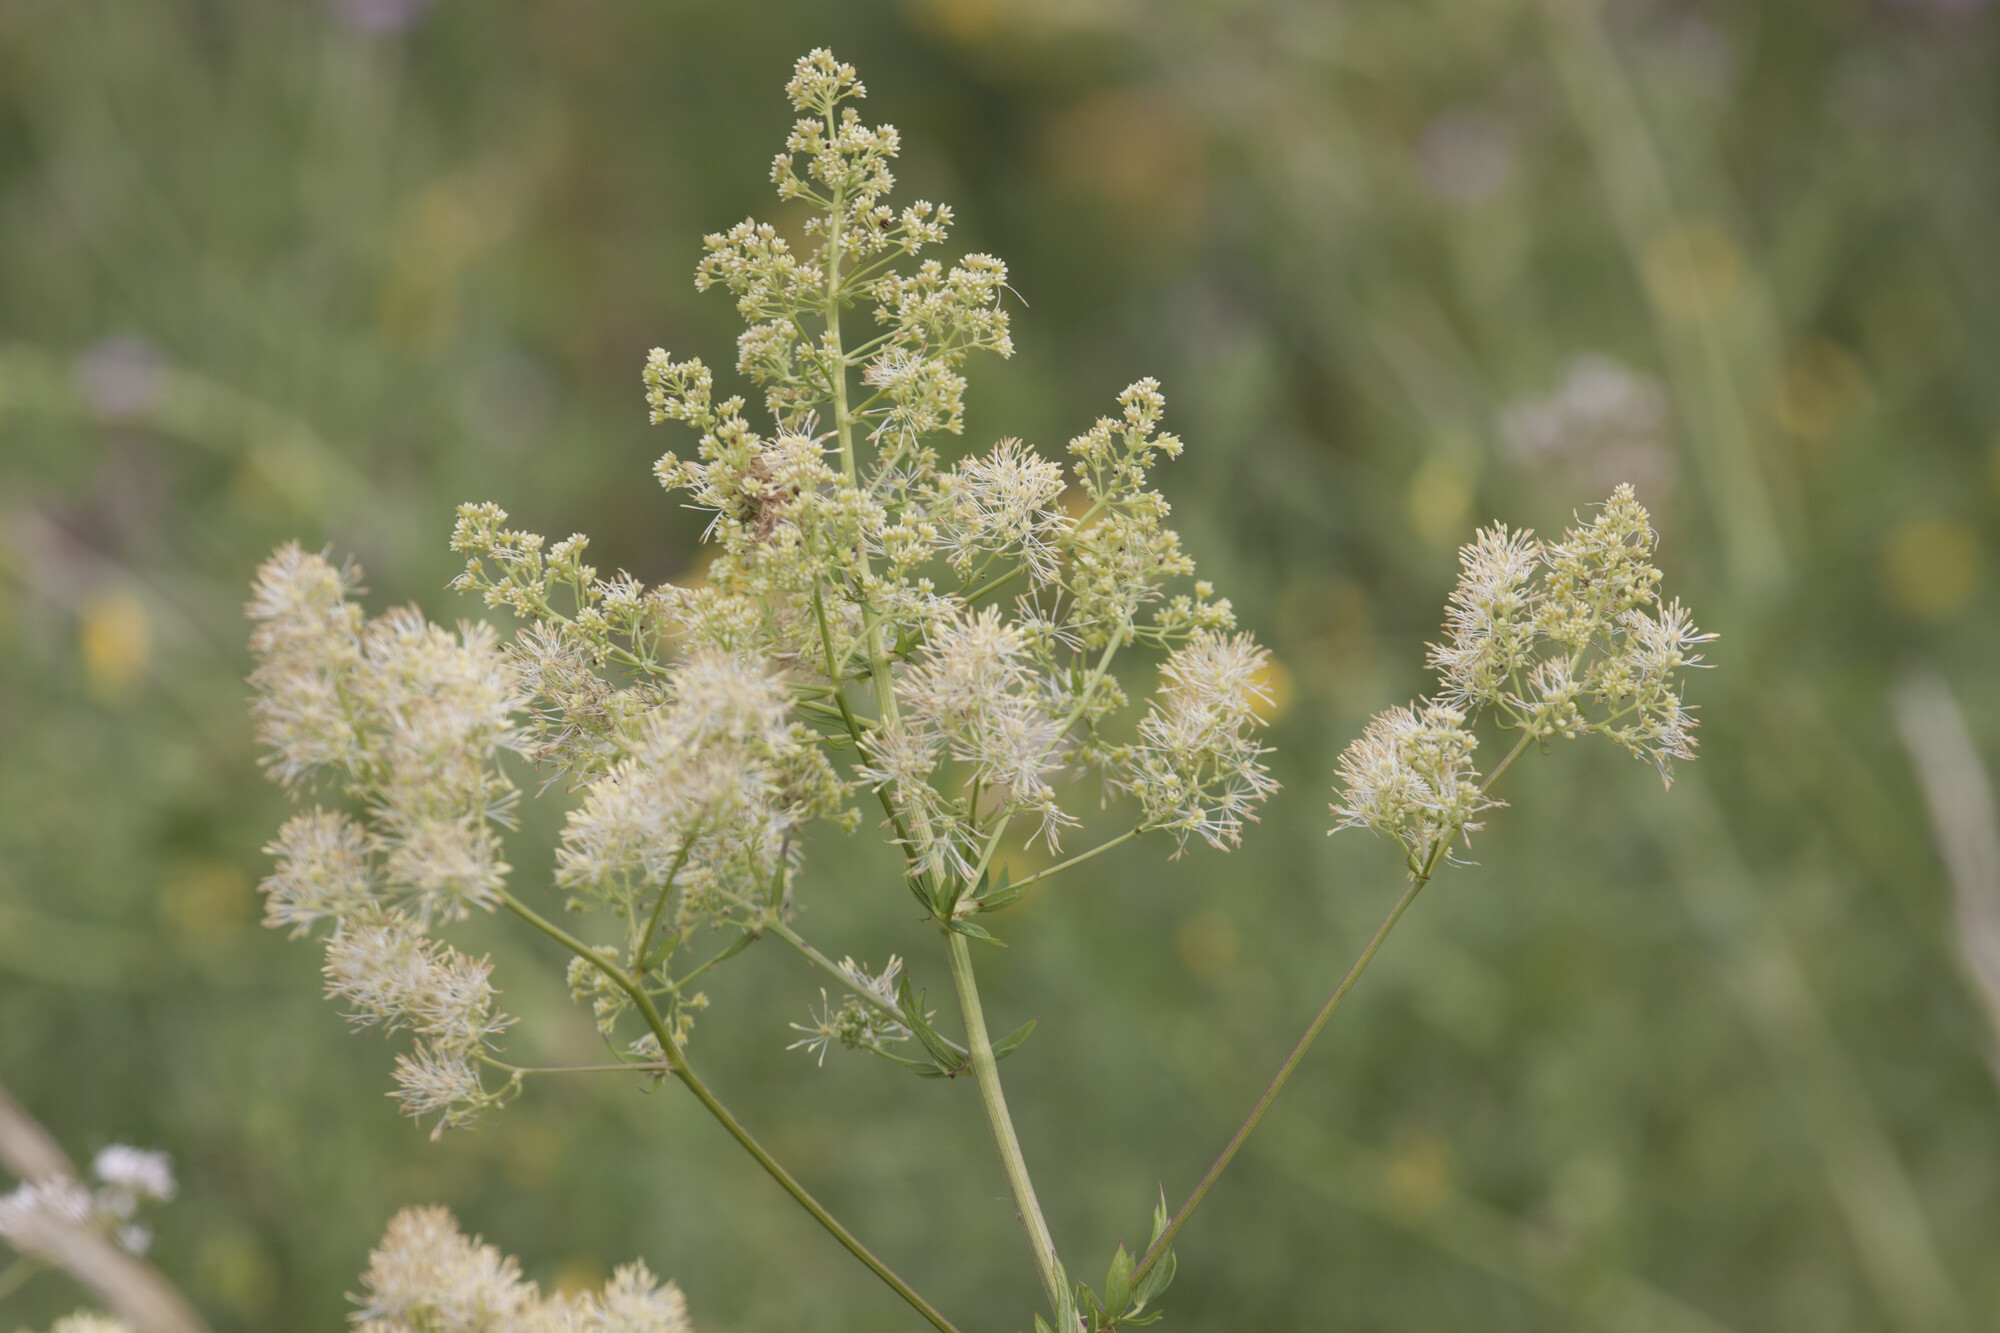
(1275, 680)
(1692, 270)
(1208, 943)
(1818, 388)
(207, 900)
(115, 637)
(1417, 1180)
(1931, 566)
(1439, 502)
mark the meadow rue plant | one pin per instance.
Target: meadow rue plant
(939, 649)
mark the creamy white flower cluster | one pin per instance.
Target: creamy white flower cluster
(428, 1277)
(410, 721)
(126, 1180)
(1552, 639)
(875, 625)
(950, 629)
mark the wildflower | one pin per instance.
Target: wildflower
(1554, 640)
(127, 1179)
(1488, 618)
(325, 872)
(1197, 769)
(131, 1175)
(426, 1276)
(425, 1273)
(1005, 502)
(1410, 775)
(873, 618)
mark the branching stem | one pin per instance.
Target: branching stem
(677, 1063)
(1076, 860)
(1418, 878)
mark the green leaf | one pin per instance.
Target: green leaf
(949, 1061)
(1011, 1043)
(1003, 893)
(1118, 1281)
(921, 1068)
(973, 932)
(1156, 1281)
(1067, 1316)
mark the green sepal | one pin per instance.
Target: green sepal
(949, 1061)
(974, 932)
(1042, 1325)
(1011, 1043)
(1118, 1281)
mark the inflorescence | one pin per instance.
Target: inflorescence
(1551, 639)
(879, 633)
(876, 627)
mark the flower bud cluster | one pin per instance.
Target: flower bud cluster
(1551, 639)
(427, 1276)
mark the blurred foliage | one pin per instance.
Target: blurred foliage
(323, 268)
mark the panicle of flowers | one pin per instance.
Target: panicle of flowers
(423, 717)
(426, 1276)
(1197, 767)
(1551, 639)
(126, 1179)
(1006, 503)
(707, 803)
(578, 717)
(392, 975)
(1410, 775)
(403, 715)
(1489, 618)
(874, 624)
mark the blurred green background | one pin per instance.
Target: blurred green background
(1700, 1061)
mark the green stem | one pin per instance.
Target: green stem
(1166, 1237)
(998, 581)
(641, 954)
(1076, 860)
(682, 1070)
(987, 1072)
(1418, 878)
(635, 1067)
(880, 1004)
